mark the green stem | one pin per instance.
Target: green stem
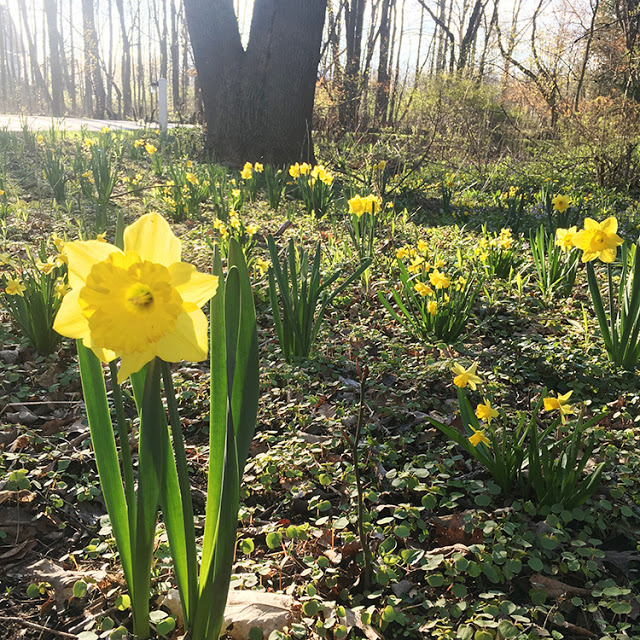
(125, 451)
(185, 486)
(612, 315)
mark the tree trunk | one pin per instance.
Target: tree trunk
(57, 84)
(93, 77)
(125, 69)
(259, 102)
(175, 59)
(33, 55)
(382, 90)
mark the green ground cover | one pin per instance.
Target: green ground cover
(346, 448)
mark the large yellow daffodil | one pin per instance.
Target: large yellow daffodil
(598, 240)
(139, 303)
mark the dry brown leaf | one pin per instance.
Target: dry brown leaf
(248, 609)
(60, 578)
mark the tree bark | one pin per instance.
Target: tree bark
(259, 102)
(57, 83)
(125, 69)
(93, 76)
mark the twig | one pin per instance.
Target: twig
(39, 627)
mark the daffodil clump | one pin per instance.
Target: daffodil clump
(520, 457)
(250, 175)
(499, 253)
(432, 302)
(243, 233)
(185, 190)
(314, 187)
(31, 291)
(619, 319)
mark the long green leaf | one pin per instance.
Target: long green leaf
(104, 446)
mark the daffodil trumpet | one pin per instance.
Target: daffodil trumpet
(159, 299)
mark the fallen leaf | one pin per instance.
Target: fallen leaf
(61, 579)
(247, 609)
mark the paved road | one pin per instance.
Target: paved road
(43, 123)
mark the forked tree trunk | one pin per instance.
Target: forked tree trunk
(259, 102)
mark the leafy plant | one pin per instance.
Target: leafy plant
(555, 466)
(522, 456)
(56, 175)
(556, 266)
(304, 296)
(315, 187)
(620, 322)
(275, 181)
(431, 305)
(32, 293)
(499, 253)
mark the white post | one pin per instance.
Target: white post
(163, 109)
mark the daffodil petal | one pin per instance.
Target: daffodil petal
(152, 239)
(70, 322)
(608, 255)
(192, 285)
(590, 224)
(82, 256)
(189, 339)
(104, 355)
(610, 225)
(133, 362)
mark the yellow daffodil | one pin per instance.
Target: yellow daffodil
(46, 267)
(478, 437)
(484, 411)
(382, 165)
(561, 404)
(258, 167)
(432, 307)
(89, 142)
(252, 229)
(564, 238)
(61, 287)
(150, 148)
(561, 202)
(105, 130)
(598, 240)
(402, 253)
(189, 164)
(422, 246)
(356, 206)
(416, 265)
(305, 168)
(191, 178)
(262, 266)
(423, 289)
(39, 138)
(247, 171)
(138, 143)
(15, 288)
(439, 280)
(234, 222)
(466, 377)
(294, 170)
(139, 303)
